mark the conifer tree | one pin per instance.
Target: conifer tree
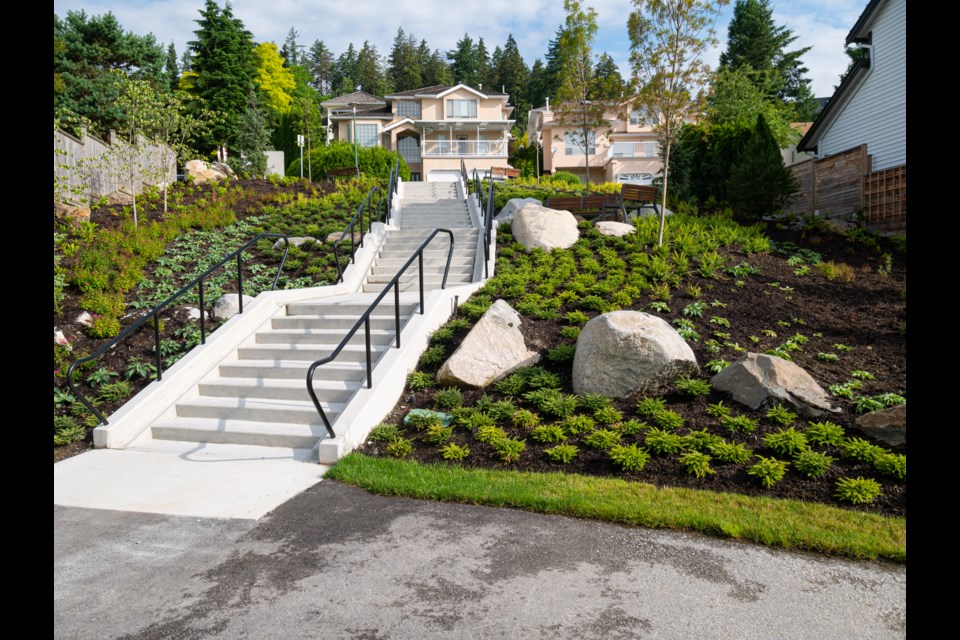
(759, 183)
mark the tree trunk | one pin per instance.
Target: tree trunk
(663, 197)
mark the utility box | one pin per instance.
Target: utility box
(275, 163)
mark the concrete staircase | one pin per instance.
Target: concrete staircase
(257, 395)
(425, 207)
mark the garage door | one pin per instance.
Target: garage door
(443, 175)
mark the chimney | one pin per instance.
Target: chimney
(548, 104)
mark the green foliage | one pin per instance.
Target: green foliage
(647, 407)
(716, 365)
(861, 450)
(552, 402)
(433, 356)
(104, 327)
(400, 447)
(509, 449)
(760, 184)
(633, 427)
(549, 433)
(453, 451)
(630, 458)
(437, 434)
(137, 368)
(827, 357)
(741, 424)
(525, 419)
(891, 464)
(732, 453)
(385, 433)
(857, 490)
(101, 377)
(374, 161)
(861, 375)
(66, 430)
(577, 424)
(691, 387)
(667, 419)
(561, 353)
(768, 470)
(696, 464)
(778, 414)
(787, 442)
(562, 453)
(825, 434)
(115, 391)
(423, 418)
(601, 439)
(718, 410)
(607, 415)
(591, 402)
(418, 381)
(811, 463)
(449, 398)
(660, 441)
(694, 309)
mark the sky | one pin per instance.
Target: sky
(820, 24)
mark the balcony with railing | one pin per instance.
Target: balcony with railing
(633, 150)
(464, 148)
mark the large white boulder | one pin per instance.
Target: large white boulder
(228, 305)
(618, 229)
(201, 171)
(625, 352)
(759, 381)
(492, 350)
(537, 226)
(512, 206)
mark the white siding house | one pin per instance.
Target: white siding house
(870, 106)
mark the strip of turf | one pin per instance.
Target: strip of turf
(786, 524)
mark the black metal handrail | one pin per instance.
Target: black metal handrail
(154, 314)
(365, 320)
(487, 225)
(354, 245)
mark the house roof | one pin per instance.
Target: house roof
(350, 99)
(859, 34)
(439, 90)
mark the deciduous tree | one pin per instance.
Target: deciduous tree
(668, 39)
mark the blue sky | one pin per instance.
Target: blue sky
(820, 24)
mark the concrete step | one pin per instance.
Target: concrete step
(332, 336)
(429, 284)
(267, 434)
(385, 308)
(311, 353)
(327, 322)
(413, 269)
(437, 261)
(293, 370)
(276, 389)
(299, 412)
(396, 234)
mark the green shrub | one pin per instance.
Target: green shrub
(66, 431)
(812, 464)
(400, 447)
(729, 452)
(891, 464)
(787, 442)
(509, 449)
(769, 471)
(718, 410)
(607, 415)
(862, 451)
(696, 464)
(525, 419)
(646, 407)
(661, 442)
(857, 490)
(668, 419)
(453, 451)
(741, 424)
(633, 427)
(825, 434)
(601, 439)
(699, 440)
(433, 356)
(489, 433)
(115, 391)
(552, 402)
(449, 398)
(691, 387)
(577, 424)
(561, 353)
(590, 402)
(437, 434)
(418, 380)
(562, 453)
(104, 327)
(778, 414)
(548, 433)
(629, 457)
(384, 433)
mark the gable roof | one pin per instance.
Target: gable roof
(440, 90)
(859, 34)
(356, 98)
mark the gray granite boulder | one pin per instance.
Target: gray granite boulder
(625, 352)
(535, 226)
(760, 381)
(512, 206)
(887, 426)
(228, 305)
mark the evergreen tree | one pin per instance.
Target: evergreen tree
(171, 70)
(553, 68)
(484, 70)
(320, 64)
(607, 84)
(536, 85)
(760, 184)
(224, 67)
(754, 41)
(463, 61)
(404, 71)
(437, 71)
(511, 76)
(344, 77)
(89, 49)
(370, 71)
(252, 140)
(291, 50)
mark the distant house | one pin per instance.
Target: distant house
(433, 128)
(870, 105)
(625, 150)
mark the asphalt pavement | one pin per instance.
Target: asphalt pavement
(333, 561)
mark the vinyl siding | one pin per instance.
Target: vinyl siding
(876, 114)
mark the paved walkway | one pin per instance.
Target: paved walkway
(228, 547)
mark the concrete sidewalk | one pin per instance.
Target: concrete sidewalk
(332, 561)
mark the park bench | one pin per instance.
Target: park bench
(598, 207)
(637, 196)
(345, 172)
(504, 173)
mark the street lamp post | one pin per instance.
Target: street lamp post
(300, 144)
(356, 159)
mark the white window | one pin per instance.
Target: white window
(641, 118)
(409, 149)
(408, 109)
(573, 143)
(366, 134)
(461, 108)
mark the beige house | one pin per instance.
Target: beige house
(625, 150)
(433, 128)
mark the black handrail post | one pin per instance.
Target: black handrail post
(366, 325)
(396, 308)
(240, 282)
(421, 282)
(156, 342)
(203, 314)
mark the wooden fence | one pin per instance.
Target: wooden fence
(87, 167)
(843, 186)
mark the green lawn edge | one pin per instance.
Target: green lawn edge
(786, 524)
